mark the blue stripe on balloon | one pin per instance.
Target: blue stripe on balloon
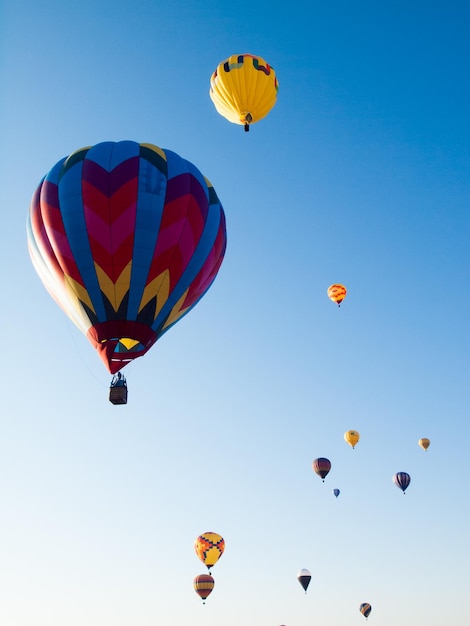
(150, 204)
(176, 164)
(71, 203)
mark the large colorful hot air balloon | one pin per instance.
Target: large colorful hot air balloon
(351, 437)
(203, 586)
(402, 480)
(424, 443)
(337, 293)
(244, 89)
(127, 238)
(209, 548)
(304, 577)
(365, 608)
(321, 467)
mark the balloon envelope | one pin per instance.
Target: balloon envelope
(321, 467)
(304, 577)
(203, 585)
(424, 443)
(209, 548)
(351, 437)
(244, 89)
(402, 480)
(127, 238)
(336, 492)
(337, 293)
(365, 608)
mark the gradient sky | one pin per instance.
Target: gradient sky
(359, 175)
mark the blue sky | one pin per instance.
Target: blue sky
(359, 175)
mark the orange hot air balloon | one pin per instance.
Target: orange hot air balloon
(337, 293)
(203, 586)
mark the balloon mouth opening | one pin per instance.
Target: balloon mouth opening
(246, 119)
(120, 342)
(126, 344)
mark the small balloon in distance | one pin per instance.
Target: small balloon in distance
(351, 437)
(203, 586)
(402, 480)
(321, 467)
(209, 547)
(337, 293)
(304, 577)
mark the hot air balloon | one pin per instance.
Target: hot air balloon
(304, 577)
(209, 548)
(337, 293)
(424, 443)
(127, 238)
(351, 437)
(336, 492)
(365, 608)
(402, 480)
(244, 89)
(321, 467)
(203, 585)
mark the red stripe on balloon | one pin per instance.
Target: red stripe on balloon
(53, 237)
(110, 221)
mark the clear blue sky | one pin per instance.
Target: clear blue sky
(359, 175)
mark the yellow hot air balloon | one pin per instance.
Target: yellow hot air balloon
(337, 293)
(351, 437)
(244, 89)
(209, 547)
(424, 443)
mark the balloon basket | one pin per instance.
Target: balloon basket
(118, 395)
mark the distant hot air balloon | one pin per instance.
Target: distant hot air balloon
(336, 492)
(304, 578)
(321, 467)
(365, 609)
(337, 293)
(244, 89)
(424, 443)
(127, 238)
(402, 480)
(209, 548)
(203, 586)
(351, 437)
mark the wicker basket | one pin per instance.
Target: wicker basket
(118, 395)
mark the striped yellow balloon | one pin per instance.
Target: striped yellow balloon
(203, 586)
(244, 89)
(337, 293)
